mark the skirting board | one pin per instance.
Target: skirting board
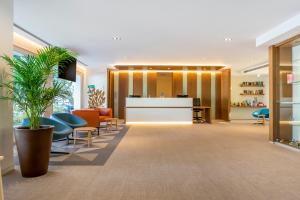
(286, 146)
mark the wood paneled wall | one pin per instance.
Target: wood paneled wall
(138, 83)
(222, 89)
(123, 93)
(206, 89)
(151, 84)
(192, 84)
(177, 83)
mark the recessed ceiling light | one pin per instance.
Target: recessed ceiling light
(228, 39)
(117, 38)
(169, 68)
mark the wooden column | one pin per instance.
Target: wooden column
(138, 83)
(123, 93)
(206, 89)
(192, 84)
(151, 84)
(218, 96)
(273, 92)
(177, 83)
(110, 89)
(225, 93)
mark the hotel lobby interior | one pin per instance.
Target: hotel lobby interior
(149, 100)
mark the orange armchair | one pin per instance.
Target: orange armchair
(89, 115)
(94, 116)
(104, 113)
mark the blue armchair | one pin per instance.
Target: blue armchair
(61, 131)
(71, 120)
(261, 114)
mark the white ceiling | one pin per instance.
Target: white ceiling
(157, 31)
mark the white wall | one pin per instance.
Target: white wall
(236, 90)
(97, 78)
(6, 47)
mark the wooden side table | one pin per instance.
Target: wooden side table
(87, 130)
(1, 185)
(111, 122)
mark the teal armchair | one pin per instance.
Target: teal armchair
(71, 120)
(60, 132)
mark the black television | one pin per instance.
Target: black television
(67, 70)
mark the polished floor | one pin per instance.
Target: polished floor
(219, 161)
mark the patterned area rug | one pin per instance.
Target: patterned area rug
(97, 154)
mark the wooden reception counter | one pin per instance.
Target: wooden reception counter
(159, 111)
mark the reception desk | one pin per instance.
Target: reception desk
(159, 111)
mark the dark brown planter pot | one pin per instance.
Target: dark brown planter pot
(34, 148)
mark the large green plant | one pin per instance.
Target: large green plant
(28, 82)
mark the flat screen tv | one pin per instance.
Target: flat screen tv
(67, 70)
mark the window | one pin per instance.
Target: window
(59, 105)
(73, 101)
(18, 114)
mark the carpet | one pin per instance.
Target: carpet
(80, 154)
(96, 154)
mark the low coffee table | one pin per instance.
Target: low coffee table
(87, 130)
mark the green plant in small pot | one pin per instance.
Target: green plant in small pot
(27, 84)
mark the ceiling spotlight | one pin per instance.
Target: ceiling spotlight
(228, 39)
(169, 68)
(117, 38)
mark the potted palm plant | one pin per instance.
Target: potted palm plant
(27, 85)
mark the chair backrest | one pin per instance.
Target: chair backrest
(69, 118)
(264, 111)
(105, 111)
(91, 116)
(58, 126)
(196, 102)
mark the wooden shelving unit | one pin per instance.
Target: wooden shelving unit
(252, 94)
(245, 86)
(253, 91)
(248, 106)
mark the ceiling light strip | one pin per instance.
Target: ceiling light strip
(167, 71)
(161, 123)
